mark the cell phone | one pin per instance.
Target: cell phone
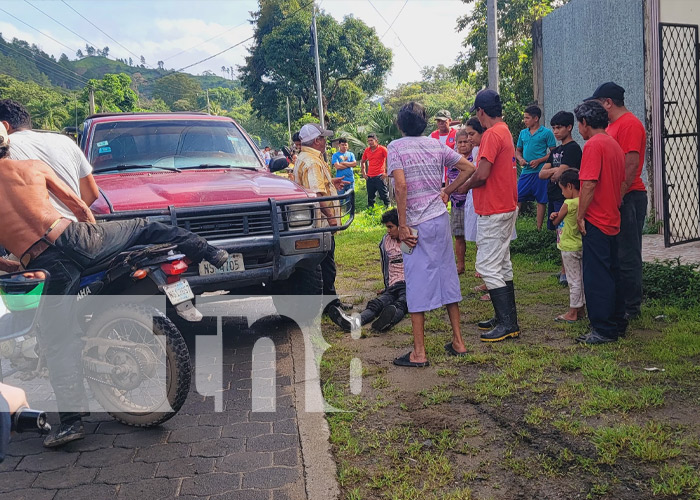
(404, 247)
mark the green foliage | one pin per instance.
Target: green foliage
(439, 89)
(280, 65)
(112, 94)
(177, 87)
(540, 244)
(671, 282)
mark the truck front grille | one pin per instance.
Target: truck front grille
(230, 225)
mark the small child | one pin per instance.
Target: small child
(389, 307)
(569, 242)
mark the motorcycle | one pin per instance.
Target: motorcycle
(135, 359)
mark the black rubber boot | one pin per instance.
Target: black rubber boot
(503, 300)
(490, 324)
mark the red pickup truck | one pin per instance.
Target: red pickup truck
(205, 174)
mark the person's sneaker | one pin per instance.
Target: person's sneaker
(594, 338)
(337, 316)
(563, 280)
(383, 322)
(64, 434)
(345, 306)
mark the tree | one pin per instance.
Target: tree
(143, 61)
(515, 18)
(79, 54)
(176, 87)
(131, 62)
(90, 50)
(113, 93)
(223, 70)
(105, 52)
(439, 89)
(161, 65)
(354, 62)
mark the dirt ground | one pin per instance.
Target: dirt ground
(534, 418)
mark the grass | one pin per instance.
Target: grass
(540, 416)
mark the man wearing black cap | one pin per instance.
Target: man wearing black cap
(495, 186)
(630, 134)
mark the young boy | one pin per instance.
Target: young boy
(344, 161)
(458, 200)
(566, 155)
(570, 243)
(534, 145)
(389, 307)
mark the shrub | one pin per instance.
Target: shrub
(671, 282)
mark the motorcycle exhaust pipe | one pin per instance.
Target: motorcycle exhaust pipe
(25, 420)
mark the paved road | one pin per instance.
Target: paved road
(200, 453)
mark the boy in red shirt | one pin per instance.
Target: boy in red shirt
(602, 175)
(374, 170)
(630, 134)
(495, 194)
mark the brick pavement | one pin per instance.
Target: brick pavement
(653, 249)
(198, 454)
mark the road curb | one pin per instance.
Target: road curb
(320, 471)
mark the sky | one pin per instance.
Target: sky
(183, 32)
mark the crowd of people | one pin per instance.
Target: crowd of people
(594, 198)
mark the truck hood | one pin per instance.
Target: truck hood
(190, 188)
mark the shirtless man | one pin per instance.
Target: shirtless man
(35, 231)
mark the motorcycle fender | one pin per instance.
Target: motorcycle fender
(187, 311)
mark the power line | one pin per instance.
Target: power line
(35, 29)
(392, 22)
(205, 41)
(397, 36)
(229, 48)
(99, 29)
(61, 24)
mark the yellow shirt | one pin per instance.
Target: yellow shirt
(312, 172)
(570, 236)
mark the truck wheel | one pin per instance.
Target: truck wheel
(137, 365)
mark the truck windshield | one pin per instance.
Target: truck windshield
(158, 144)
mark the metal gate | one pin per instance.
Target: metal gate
(680, 126)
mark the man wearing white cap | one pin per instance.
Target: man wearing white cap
(312, 172)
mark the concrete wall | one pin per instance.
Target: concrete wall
(680, 11)
(588, 42)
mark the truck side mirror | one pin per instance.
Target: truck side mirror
(278, 163)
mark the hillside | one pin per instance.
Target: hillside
(28, 63)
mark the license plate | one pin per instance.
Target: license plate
(233, 264)
(178, 292)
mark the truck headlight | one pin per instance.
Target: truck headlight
(300, 215)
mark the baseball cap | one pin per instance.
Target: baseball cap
(311, 131)
(608, 90)
(4, 138)
(485, 99)
(443, 114)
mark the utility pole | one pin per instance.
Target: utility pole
(208, 108)
(318, 75)
(91, 97)
(492, 39)
(289, 122)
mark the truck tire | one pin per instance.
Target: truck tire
(148, 339)
(303, 281)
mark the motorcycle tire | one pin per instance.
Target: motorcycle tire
(163, 333)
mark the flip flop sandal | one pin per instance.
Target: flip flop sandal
(485, 298)
(405, 360)
(452, 351)
(562, 319)
(480, 288)
(477, 275)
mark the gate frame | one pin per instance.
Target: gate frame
(664, 136)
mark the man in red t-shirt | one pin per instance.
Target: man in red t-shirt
(495, 186)
(630, 134)
(444, 133)
(374, 170)
(602, 175)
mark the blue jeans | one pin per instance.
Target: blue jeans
(82, 246)
(601, 283)
(633, 211)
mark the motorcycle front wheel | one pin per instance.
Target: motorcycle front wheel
(137, 364)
